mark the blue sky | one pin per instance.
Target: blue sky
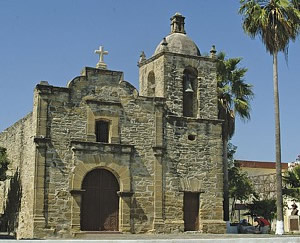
(54, 40)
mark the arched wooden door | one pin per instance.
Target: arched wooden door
(100, 202)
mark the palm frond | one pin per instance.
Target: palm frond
(276, 22)
(234, 95)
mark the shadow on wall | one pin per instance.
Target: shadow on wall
(10, 218)
(139, 217)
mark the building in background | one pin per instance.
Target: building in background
(263, 176)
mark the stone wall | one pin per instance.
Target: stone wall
(194, 164)
(192, 161)
(168, 70)
(154, 65)
(155, 153)
(139, 130)
(65, 121)
(265, 185)
(18, 140)
(68, 119)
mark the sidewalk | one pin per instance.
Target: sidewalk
(172, 238)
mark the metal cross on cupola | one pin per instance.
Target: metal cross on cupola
(101, 64)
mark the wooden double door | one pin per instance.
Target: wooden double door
(100, 202)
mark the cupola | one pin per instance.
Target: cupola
(177, 41)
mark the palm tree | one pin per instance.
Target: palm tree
(296, 4)
(234, 97)
(276, 22)
(292, 183)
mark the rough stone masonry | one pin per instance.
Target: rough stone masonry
(98, 155)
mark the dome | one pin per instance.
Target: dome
(178, 43)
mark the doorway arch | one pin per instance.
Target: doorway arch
(100, 202)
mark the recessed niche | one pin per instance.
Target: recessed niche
(191, 137)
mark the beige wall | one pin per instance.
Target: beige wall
(18, 140)
(258, 171)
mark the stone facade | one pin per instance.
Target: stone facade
(157, 153)
(18, 140)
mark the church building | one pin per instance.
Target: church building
(101, 156)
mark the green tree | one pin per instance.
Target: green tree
(240, 186)
(276, 22)
(234, 97)
(292, 181)
(3, 164)
(265, 208)
(231, 150)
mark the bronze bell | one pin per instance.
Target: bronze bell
(188, 85)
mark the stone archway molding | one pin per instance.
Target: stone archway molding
(122, 174)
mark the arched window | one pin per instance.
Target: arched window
(151, 84)
(189, 93)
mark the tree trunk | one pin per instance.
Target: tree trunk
(279, 224)
(225, 179)
(232, 209)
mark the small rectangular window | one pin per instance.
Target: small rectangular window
(102, 131)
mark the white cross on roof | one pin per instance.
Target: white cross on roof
(101, 53)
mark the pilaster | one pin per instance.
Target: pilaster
(39, 184)
(158, 172)
(40, 112)
(125, 205)
(41, 109)
(76, 205)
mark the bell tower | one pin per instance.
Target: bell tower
(179, 73)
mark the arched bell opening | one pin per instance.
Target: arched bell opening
(151, 84)
(190, 92)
